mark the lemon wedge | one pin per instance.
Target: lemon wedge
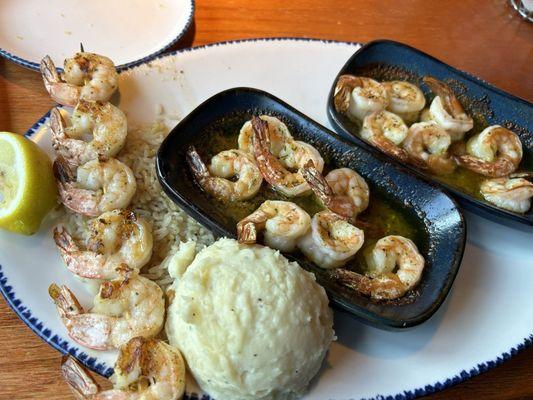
(27, 186)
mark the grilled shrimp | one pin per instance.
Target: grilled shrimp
(290, 184)
(428, 143)
(513, 194)
(146, 369)
(104, 123)
(116, 237)
(387, 131)
(446, 110)
(332, 241)
(86, 76)
(358, 96)
(382, 282)
(495, 152)
(405, 100)
(216, 179)
(124, 308)
(342, 190)
(283, 223)
(96, 186)
(278, 135)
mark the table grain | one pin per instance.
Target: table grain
(486, 38)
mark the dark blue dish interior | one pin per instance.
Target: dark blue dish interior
(388, 60)
(440, 224)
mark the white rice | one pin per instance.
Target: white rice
(170, 224)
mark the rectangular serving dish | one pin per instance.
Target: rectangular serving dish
(390, 60)
(440, 223)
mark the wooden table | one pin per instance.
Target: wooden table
(486, 38)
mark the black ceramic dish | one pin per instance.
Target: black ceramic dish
(389, 60)
(441, 230)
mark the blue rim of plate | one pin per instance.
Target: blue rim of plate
(101, 368)
(35, 66)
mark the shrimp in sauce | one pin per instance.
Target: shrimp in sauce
(283, 222)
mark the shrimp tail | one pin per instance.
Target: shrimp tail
(497, 169)
(61, 92)
(353, 280)
(246, 232)
(343, 89)
(78, 378)
(450, 102)
(198, 168)
(317, 182)
(269, 165)
(67, 304)
(85, 264)
(399, 153)
(83, 201)
(62, 171)
(57, 127)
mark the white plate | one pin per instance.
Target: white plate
(131, 31)
(485, 320)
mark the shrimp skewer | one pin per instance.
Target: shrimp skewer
(405, 99)
(513, 194)
(96, 186)
(342, 191)
(283, 223)
(428, 143)
(123, 309)
(215, 179)
(290, 184)
(395, 266)
(104, 122)
(117, 237)
(358, 96)
(495, 152)
(332, 241)
(446, 110)
(146, 369)
(86, 76)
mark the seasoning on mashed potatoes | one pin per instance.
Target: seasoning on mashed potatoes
(251, 324)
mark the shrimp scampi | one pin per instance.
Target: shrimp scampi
(95, 130)
(278, 135)
(124, 308)
(405, 100)
(227, 164)
(86, 76)
(446, 110)
(283, 222)
(394, 267)
(428, 143)
(116, 237)
(332, 241)
(357, 96)
(387, 131)
(290, 184)
(96, 186)
(147, 369)
(513, 194)
(342, 190)
(495, 152)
